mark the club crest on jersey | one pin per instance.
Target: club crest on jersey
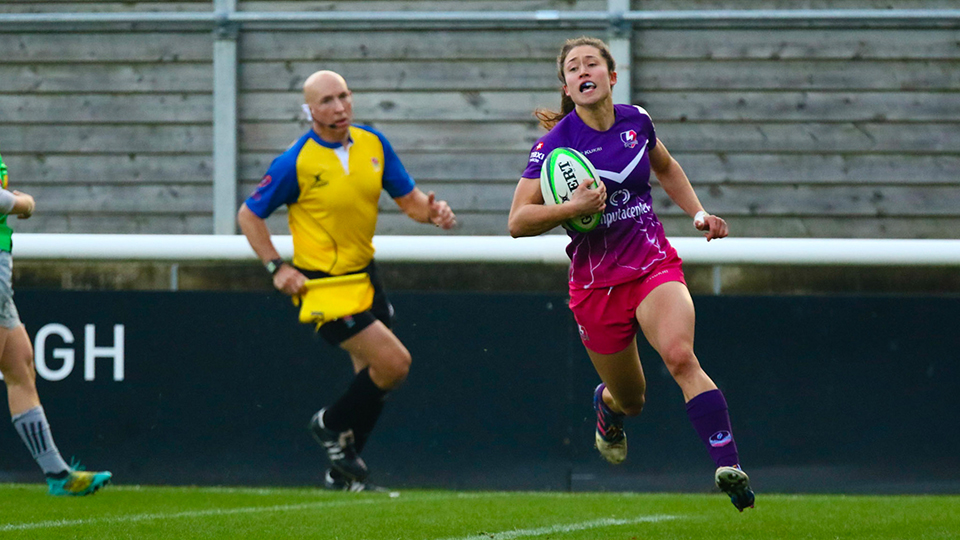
(620, 197)
(264, 182)
(629, 138)
(376, 164)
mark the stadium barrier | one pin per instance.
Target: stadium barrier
(540, 249)
(936, 18)
(546, 249)
(215, 387)
(838, 393)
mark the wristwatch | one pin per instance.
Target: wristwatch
(273, 266)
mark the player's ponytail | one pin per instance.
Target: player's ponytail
(549, 118)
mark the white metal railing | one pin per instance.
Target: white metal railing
(741, 17)
(459, 249)
(546, 249)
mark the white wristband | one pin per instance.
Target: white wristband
(699, 218)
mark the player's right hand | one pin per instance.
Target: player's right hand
(589, 201)
(289, 280)
(712, 227)
(439, 213)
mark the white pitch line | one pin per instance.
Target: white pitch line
(560, 529)
(61, 523)
(195, 513)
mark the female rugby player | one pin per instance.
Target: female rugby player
(624, 274)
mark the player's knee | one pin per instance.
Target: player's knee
(680, 360)
(19, 371)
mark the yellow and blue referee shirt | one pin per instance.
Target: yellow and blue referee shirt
(331, 193)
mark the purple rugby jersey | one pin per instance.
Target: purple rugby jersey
(629, 240)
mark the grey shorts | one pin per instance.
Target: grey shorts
(9, 318)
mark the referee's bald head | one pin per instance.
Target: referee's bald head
(323, 83)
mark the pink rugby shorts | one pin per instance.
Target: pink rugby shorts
(607, 316)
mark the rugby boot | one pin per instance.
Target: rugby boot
(340, 449)
(77, 482)
(335, 481)
(610, 439)
(735, 483)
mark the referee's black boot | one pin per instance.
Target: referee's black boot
(340, 449)
(335, 481)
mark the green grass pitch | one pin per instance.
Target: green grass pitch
(145, 513)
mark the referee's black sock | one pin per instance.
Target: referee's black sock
(364, 424)
(357, 409)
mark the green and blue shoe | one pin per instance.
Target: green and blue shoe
(78, 482)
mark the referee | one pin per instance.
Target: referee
(331, 179)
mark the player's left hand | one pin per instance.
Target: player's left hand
(28, 202)
(440, 213)
(712, 227)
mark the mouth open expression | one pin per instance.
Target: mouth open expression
(587, 76)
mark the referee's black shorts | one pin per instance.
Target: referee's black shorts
(340, 330)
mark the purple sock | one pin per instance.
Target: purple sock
(708, 414)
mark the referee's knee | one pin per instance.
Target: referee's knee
(395, 368)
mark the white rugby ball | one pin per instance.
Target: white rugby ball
(561, 173)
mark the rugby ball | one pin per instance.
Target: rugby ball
(563, 170)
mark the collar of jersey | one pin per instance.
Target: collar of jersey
(332, 145)
(616, 118)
